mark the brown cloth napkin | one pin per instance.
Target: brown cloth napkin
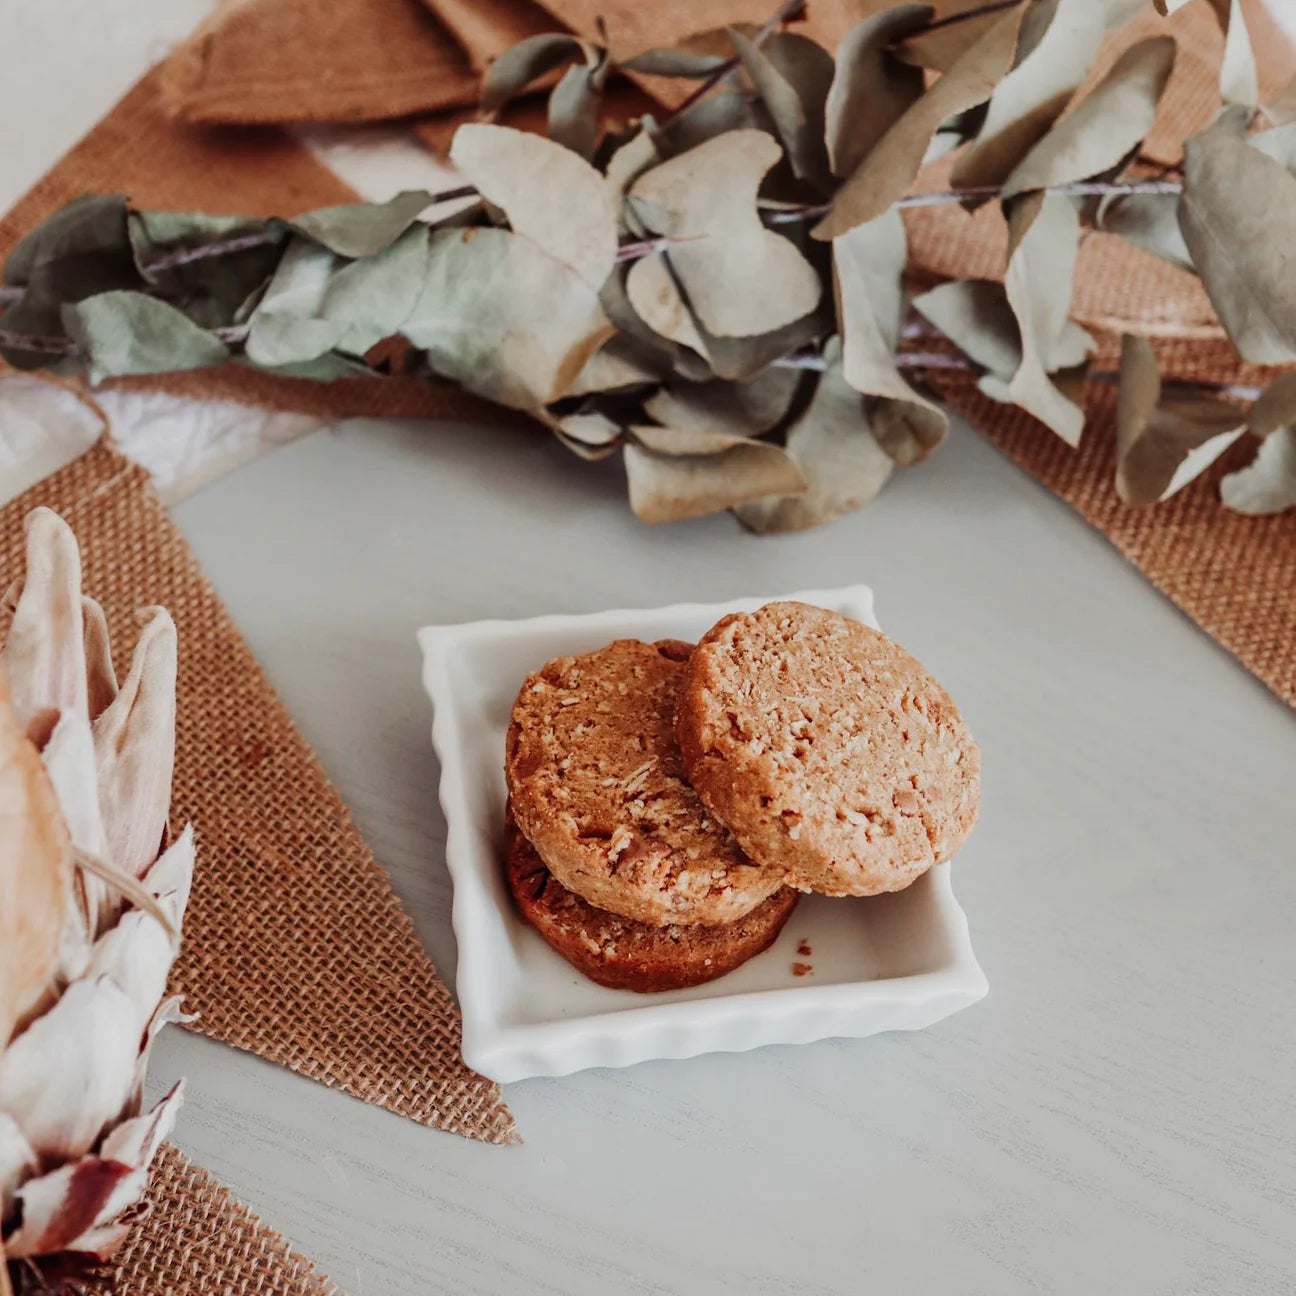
(200, 1241)
(317, 61)
(295, 946)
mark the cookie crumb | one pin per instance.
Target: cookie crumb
(804, 948)
(802, 969)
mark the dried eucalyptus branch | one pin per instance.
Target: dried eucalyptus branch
(645, 290)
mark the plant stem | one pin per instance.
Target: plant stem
(40, 345)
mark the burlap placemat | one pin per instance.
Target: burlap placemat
(319, 61)
(200, 1241)
(295, 946)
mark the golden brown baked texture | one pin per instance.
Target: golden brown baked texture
(599, 789)
(827, 749)
(629, 955)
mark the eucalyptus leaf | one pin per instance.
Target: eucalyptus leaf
(363, 229)
(871, 89)
(843, 462)
(726, 110)
(503, 318)
(525, 63)
(675, 474)
(890, 167)
(1029, 99)
(741, 358)
(868, 276)
(592, 435)
(1107, 124)
(1238, 216)
(1043, 238)
(616, 365)
(549, 194)
(744, 409)
(975, 315)
(574, 108)
(741, 278)
(1278, 143)
(657, 301)
(634, 330)
(678, 61)
(1163, 444)
(1275, 408)
(131, 333)
(1282, 108)
(1268, 483)
(1149, 221)
(1238, 80)
(287, 327)
(370, 300)
(792, 74)
(627, 163)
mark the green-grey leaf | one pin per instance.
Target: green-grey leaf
(548, 193)
(975, 315)
(1163, 444)
(1268, 483)
(619, 364)
(131, 333)
(1278, 143)
(741, 358)
(502, 317)
(574, 109)
(871, 89)
(287, 327)
(1238, 216)
(370, 300)
(363, 229)
(741, 279)
(889, 168)
(1043, 238)
(1052, 63)
(1106, 126)
(1149, 221)
(868, 271)
(844, 463)
(792, 74)
(630, 324)
(675, 474)
(726, 110)
(747, 409)
(674, 63)
(525, 62)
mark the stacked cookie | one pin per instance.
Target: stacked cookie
(669, 802)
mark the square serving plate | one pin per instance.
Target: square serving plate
(891, 962)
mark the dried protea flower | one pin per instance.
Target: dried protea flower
(92, 894)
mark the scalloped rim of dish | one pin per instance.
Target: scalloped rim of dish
(618, 1027)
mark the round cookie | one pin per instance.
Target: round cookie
(827, 749)
(599, 789)
(629, 955)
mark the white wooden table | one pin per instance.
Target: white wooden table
(1118, 1116)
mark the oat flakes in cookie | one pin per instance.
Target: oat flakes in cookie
(628, 955)
(827, 749)
(599, 789)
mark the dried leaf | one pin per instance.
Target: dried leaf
(617, 364)
(745, 409)
(1162, 444)
(868, 276)
(1238, 216)
(1043, 237)
(286, 327)
(363, 229)
(892, 164)
(35, 874)
(101, 678)
(871, 88)
(1275, 409)
(130, 333)
(676, 474)
(44, 653)
(695, 57)
(705, 201)
(592, 436)
(1268, 483)
(1281, 110)
(740, 358)
(548, 193)
(630, 161)
(369, 301)
(632, 327)
(656, 299)
(1108, 124)
(1238, 79)
(574, 108)
(1149, 221)
(17, 1161)
(1052, 62)
(792, 74)
(69, 1073)
(844, 463)
(975, 315)
(135, 749)
(1278, 143)
(502, 317)
(525, 63)
(726, 110)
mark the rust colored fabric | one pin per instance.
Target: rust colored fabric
(486, 28)
(200, 1241)
(296, 948)
(317, 61)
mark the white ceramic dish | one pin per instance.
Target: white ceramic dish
(895, 962)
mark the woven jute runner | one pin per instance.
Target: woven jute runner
(296, 947)
(199, 1241)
